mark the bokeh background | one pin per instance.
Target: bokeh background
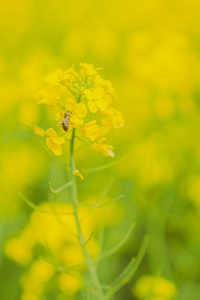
(150, 50)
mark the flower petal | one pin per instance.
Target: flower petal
(76, 122)
(101, 104)
(92, 106)
(58, 140)
(51, 132)
(108, 99)
(39, 131)
(88, 94)
(70, 104)
(81, 110)
(57, 150)
(98, 93)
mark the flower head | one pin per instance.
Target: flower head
(49, 96)
(74, 96)
(91, 129)
(105, 149)
(54, 141)
(96, 99)
(154, 287)
(79, 111)
(114, 118)
(88, 69)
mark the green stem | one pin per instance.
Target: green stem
(96, 286)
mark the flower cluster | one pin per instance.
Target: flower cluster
(154, 288)
(83, 95)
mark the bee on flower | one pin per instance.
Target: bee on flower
(77, 97)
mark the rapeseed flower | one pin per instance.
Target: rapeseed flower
(54, 141)
(39, 131)
(79, 111)
(105, 149)
(96, 99)
(80, 94)
(48, 96)
(91, 129)
(155, 288)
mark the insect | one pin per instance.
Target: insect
(65, 121)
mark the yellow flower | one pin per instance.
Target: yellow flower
(155, 287)
(22, 252)
(54, 141)
(39, 131)
(79, 111)
(78, 174)
(96, 99)
(69, 285)
(106, 84)
(114, 118)
(88, 69)
(91, 130)
(48, 95)
(54, 78)
(105, 149)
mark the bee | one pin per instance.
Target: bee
(65, 121)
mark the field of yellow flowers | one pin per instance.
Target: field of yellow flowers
(100, 150)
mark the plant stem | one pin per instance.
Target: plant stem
(96, 286)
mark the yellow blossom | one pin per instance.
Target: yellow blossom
(21, 253)
(155, 287)
(114, 118)
(78, 174)
(70, 285)
(96, 99)
(54, 78)
(91, 130)
(106, 84)
(79, 111)
(49, 96)
(105, 149)
(54, 141)
(88, 69)
(39, 131)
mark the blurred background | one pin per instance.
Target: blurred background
(150, 50)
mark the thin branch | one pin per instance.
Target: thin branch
(36, 208)
(102, 205)
(102, 167)
(80, 148)
(87, 143)
(60, 189)
(116, 248)
(129, 271)
(87, 241)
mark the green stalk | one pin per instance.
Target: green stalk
(96, 286)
